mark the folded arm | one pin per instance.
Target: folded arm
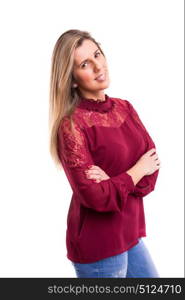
(105, 196)
(147, 184)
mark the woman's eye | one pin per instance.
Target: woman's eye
(98, 53)
(83, 65)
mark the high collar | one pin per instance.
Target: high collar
(96, 105)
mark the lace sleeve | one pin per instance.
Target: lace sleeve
(73, 145)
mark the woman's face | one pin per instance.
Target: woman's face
(89, 63)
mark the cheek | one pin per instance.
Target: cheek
(86, 77)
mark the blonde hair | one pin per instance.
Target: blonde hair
(63, 98)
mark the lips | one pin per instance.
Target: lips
(100, 77)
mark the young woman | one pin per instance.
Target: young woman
(109, 159)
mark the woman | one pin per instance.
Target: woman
(109, 160)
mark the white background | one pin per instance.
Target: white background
(143, 42)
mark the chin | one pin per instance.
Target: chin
(104, 84)
(99, 86)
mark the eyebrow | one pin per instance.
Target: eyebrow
(87, 58)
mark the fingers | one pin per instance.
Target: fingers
(93, 172)
(155, 156)
(93, 167)
(151, 151)
(94, 177)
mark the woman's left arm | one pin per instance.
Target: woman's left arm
(147, 184)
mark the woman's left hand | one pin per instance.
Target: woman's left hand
(96, 173)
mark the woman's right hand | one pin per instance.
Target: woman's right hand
(148, 162)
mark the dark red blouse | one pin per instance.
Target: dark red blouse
(105, 218)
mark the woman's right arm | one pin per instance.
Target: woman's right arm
(106, 196)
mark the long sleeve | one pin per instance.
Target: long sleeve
(105, 196)
(147, 184)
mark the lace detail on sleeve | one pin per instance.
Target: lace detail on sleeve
(73, 149)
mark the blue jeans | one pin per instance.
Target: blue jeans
(134, 263)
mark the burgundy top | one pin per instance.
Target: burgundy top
(105, 218)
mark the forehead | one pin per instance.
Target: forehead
(84, 51)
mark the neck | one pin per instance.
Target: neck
(95, 96)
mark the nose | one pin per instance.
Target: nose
(97, 65)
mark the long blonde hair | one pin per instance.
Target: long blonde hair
(63, 98)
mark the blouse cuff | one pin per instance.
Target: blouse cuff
(126, 179)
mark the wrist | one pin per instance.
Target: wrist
(136, 172)
(139, 167)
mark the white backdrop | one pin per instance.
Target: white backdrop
(144, 44)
